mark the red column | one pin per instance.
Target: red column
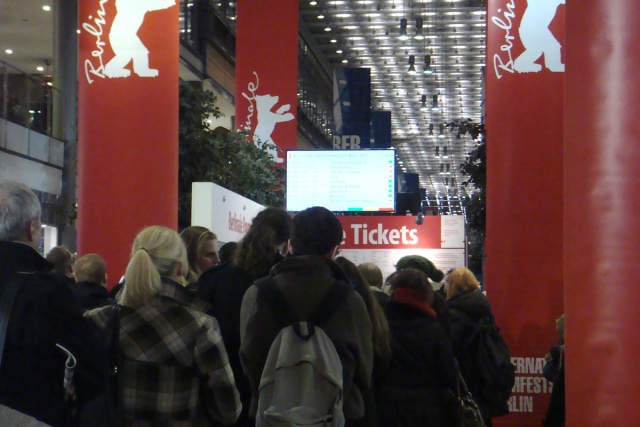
(524, 244)
(602, 232)
(127, 124)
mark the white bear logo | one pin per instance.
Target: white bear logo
(124, 39)
(267, 121)
(538, 39)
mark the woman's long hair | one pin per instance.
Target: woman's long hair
(195, 237)
(381, 344)
(256, 252)
(154, 254)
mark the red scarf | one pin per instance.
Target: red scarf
(414, 298)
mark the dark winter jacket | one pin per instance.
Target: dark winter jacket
(414, 388)
(91, 295)
(44, 313)
(223, 287)
(304, 282)
(466, 311)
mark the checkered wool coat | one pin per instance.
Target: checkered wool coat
(175, 370)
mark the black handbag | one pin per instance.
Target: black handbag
(467, 411)
(104, 410)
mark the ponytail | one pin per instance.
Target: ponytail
(154, 254)
(141, 280)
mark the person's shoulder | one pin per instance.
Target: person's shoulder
(220, 272)
(45, 285)
(214, 271)
(222, 276)
(354, 302)
(102, 316)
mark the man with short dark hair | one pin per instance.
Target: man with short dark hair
(43, 314)
(91, 280)
(304, 279)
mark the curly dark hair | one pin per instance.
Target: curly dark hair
(256, 252)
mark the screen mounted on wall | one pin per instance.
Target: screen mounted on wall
(341, 180)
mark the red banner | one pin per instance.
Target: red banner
(267, 73)
(127, 123)
(524, 245)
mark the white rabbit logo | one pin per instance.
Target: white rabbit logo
(124, 39)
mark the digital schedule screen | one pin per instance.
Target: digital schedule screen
(341, 180)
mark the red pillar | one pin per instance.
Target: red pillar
(524, 244)
(602, 232)
(127, 124)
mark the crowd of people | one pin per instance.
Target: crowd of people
(194, 330)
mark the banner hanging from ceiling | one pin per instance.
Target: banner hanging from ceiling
(524, 244)
(352, 108)
(127, 124)
(267, 74)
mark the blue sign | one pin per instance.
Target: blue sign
(352, 108)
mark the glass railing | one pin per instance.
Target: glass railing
(29, 101)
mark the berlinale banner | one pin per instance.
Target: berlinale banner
(267, 73)
(524, 245)
(127, 123)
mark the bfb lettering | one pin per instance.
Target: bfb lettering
(346, 142)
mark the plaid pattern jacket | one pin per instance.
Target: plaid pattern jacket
(175, 370)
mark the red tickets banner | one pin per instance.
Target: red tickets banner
(127, 123)
(267, 73)
(383, 240)
(390, 232)
(524, 244)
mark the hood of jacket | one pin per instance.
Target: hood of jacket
(475, 304)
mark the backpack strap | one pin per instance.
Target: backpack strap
(484, 322)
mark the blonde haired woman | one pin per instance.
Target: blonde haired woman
(460, 281)
(202, 251)
(174, 370)
(467, 306)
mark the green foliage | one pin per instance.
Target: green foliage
(474, 168)
(221, 156)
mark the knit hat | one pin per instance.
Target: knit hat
(420, 263)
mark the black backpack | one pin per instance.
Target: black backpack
(495, 370)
